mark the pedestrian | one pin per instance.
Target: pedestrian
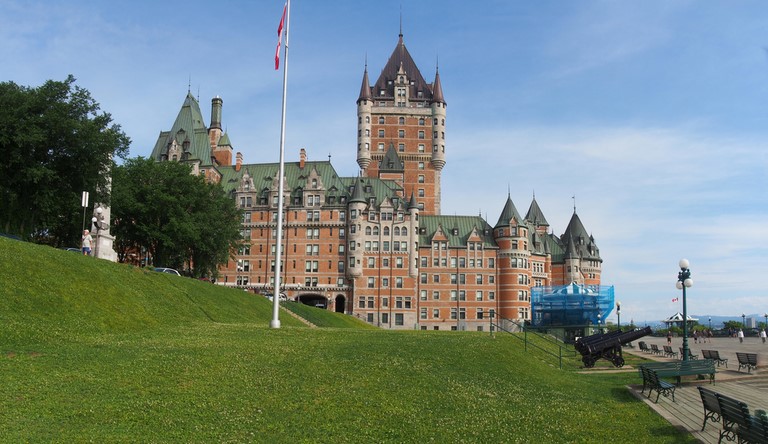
(763, 334)
(709, 335)
(741, 335)
(669, 337)
(86, 245)
(695, 337)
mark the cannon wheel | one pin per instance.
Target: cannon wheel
(588, 361)
(618, 361)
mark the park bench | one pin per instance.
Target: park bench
(715, 356)
(747, 360)
(735, 418)
(655, 349)
(690, 355)
(655, 366)
(678, 369)
(758, 428)
(711, 405)
(668, 352)
(643, 347)
(661, 387)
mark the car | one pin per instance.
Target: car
(282, 298)
(167, 270)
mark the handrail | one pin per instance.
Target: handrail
(560, 344)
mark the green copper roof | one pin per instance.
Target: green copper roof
(188, 127)
(535, 215)
(456, 228)
(509, 212)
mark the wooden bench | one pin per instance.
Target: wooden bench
(678, 369)
(735, 418)
(747, 360)
(715, 356)
(655, 349)
(669, 353)
(643, 347)
(711, 405)
(758, 428)
(690, 355)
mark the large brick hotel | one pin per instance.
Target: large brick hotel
(375, 245)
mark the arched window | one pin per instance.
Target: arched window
(367, 231)
(397, 231)
(401, 120)
(404, 231)
(375, 231)
(386, 231)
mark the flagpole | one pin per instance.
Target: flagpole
(275, 322)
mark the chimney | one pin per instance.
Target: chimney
(302, 158)
(216, 112)
(238, 161)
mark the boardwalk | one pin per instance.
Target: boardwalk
(687, 411)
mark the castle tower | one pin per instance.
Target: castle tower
(402, 110)
(511, 234)
(583, 264)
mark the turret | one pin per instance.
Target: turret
(364, 104)
(438, 128)
(413, 236)
(357, 204)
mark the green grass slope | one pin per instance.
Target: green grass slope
(324, 318)
(97, 352)
(48, 292)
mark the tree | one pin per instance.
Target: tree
(55, 143)
(179, 219)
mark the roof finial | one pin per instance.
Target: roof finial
(509, 191)
(329, 157)
(574, 203)
(189, 84)
(401, 20)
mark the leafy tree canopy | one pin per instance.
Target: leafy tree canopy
(55, 143)
(180, 220)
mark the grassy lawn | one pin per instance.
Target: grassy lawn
(98, 352)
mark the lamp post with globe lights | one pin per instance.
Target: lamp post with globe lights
(618, 314)
(684, 281)
(743, 321)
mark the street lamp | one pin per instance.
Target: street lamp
(598, 323)
(766, 320)
(684, 281)
(618, 314)
(710, 322)
(743, 321)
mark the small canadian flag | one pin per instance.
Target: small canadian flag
(675, 299)
(280, 37)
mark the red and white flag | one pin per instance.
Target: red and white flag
(675, 299)
(280, 37)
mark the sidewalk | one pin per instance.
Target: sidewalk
(687, 411)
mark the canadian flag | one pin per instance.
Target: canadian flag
(675, 299)
(280, 37)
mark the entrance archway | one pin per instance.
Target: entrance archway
(340, 304)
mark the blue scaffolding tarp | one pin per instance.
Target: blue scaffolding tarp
(571, 304)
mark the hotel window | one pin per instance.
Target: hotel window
(385, 318)
(381, 147)
(421, 147)
(399, 282)
(361, 303)
(401, 134)
(479, 279)
(479, 295)
(371, 282)
(435, 312)
(398, 319)
(491, 295)
(401, 120)
(421, 119)
(381, 119)
(381, 133)
(454, 294)
(421, 178)
(424, 262)
(453, 313)
(371, 262)
(436, 295)
(423, 295)
(423, 313)
(385, 282)
(401, 147)
(421, 134)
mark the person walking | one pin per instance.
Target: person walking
(669, 337)
(741, 335)
(763, 334)
(86, 245)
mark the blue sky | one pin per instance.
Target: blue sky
(652, 114)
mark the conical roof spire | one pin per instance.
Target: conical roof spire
(509, 212)
(437, 89)
(365, 88)
(357, 193)
(535, 215)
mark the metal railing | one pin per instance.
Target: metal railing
(563, 349)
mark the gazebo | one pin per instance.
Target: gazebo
(676, 320)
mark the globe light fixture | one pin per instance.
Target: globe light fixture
(684, 281)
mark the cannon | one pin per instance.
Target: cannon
(607, 346)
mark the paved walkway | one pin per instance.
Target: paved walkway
(687, 411)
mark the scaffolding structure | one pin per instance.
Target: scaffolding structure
(571, 305)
